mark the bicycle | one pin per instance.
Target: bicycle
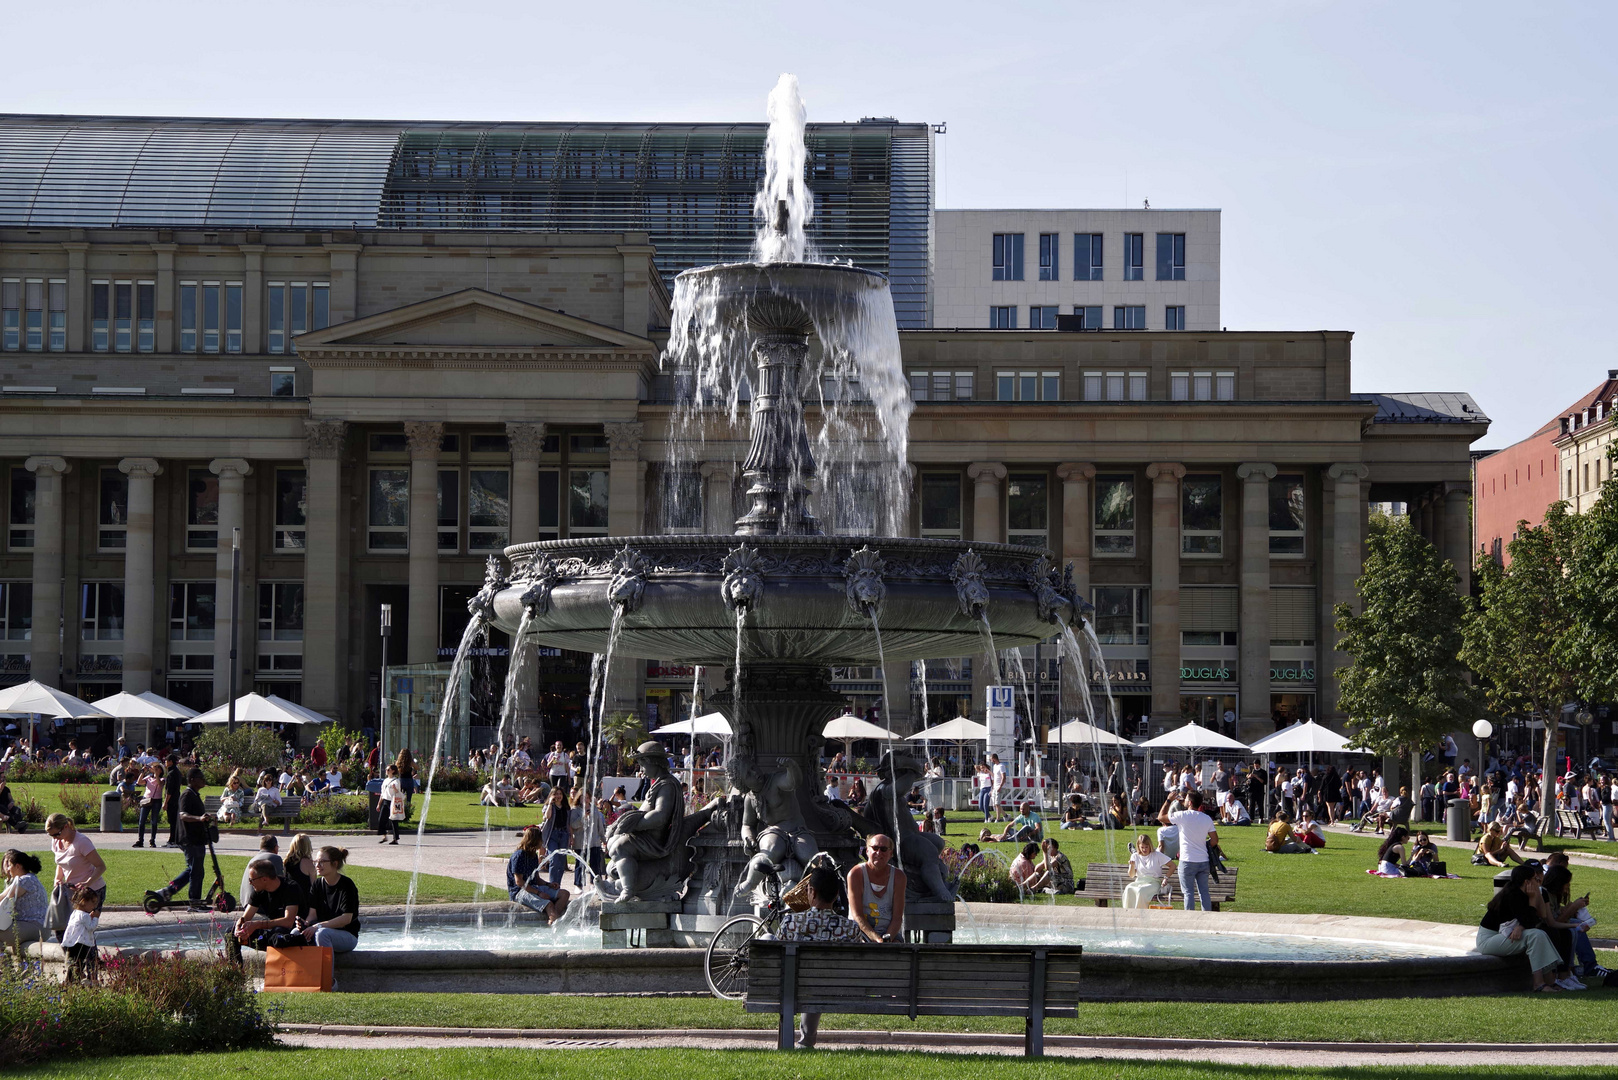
(725, 964)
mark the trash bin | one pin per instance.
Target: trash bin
(1458, 820)
(373, 795)
(112, 811)
(1501, 880)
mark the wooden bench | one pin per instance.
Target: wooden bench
(1571, 821)
(1104, 882)
(289, 809)
(1031, 981)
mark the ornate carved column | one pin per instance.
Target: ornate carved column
(718, 507)
(1165, 477)
(1254, 668)
(46, 638)
(987, 525)
(232, 473)
(324, 610)
(139, 598)
(1345, 568)
(425, 437)
(527, 441)
(623, 477)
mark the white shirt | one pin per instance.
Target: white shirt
(1512, 790)
(832, 791)
(1194, 829)
(334, 778)
(1376, 784)
(81, 929)
(286, 778)
(1149, 866)
(998, 771)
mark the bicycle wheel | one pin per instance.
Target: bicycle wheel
(726, 965)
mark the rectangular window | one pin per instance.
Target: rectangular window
(145, 316)
(1089, 316)
(488, 509)
(101, 611)
(211, 292)
(1027, 386)
(1179, 386)
(388, 510)
(1005, 386)
(943, 386)
(1095, 386)
(941, 505)
(1174, 317)
(1171, 256)
(191, 610)
(1137, 386)
(1134, 256)
(1003, 318)
(1043, 318)
(587, 502)
(682, 500)
(1201, 515)
(1123, 614)
(58, 314)
(275, 316)
(291, 508)
(1224, 386)
(964, 385)
(188, 316)
(123, 316)
(1027, 513)
(449, 510)
(113, 516)
(920, 386)
(1050, 386)
(1008, 256)
(294, 308)
(1086, 257)
(233, 316)
(201, 511)
(1286, 515)
(10, 314)
(34, 314)
(1129, 317)
(1202, 386)
(280, 611)
(100, 315)
(1114, 523)
(20, 516)
(1049, 261)
(283, 382)
(16, 610)
(550, 503)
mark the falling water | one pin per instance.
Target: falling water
(522, 650)
(741, 729)
(1014, 656)
(926, 744)
(1076, 654)
(600, 676)
(887, 706)
(785, 156)
(452, 700)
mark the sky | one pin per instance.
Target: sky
(1435, 177)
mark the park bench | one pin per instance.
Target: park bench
(1104, 882)
(288, 810)
(1031, 981)
(1532, 828)
(1571, 821)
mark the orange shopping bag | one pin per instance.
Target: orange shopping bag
(304, 968)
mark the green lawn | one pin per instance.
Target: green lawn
(131, 873)
(585, 1064)
(1589, 1016)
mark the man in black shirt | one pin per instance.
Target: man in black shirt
(193, 828)
(172, 785)
(272, 909)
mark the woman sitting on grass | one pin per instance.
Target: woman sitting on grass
(1074, 817)
(1392, 852)
(1282, 841)
(1493, 848)
(1053, 874)
(1022, 867)
(1309, 830)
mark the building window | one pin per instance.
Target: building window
(1086, 257)
(1202, 385)
(10, 314)
(280, 611)
(201, 511)
(1134, 256)
(550, 503)
(1137, 386)
(1171, 256)
(1115, 386)
(101, 611)
(58, 314)
(1027, 513)
(211, 316)
(20, 516)
(1043, 318)
(1224, 386)
(1201, 515)
(1028, 386)
(1123, 614)
(191, 610)
(33, 314)
(1003, 318)
(1174, 317)
(1129, 317)
(587, 502)
(388, 517)
(1114, 523)
(1049, 261)
(283, 382)
(294, 308)
(113, 515)
(941, 386)
(291, 508)
(1286, 515)
(488, 509)
(1008, 256)
(941, 505)
(100, 315)
(1089, 316)
(1050, 385)
(682, 500)
(16, 610)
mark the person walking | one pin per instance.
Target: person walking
(173, 784)
(394, 796)
(1196, 828)
(193, 840)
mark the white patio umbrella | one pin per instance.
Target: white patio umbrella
(1080, 733)
(126, 706)
(177, 710)
(34, 698)
(258, 709)
(1194, 736)
(849, 727)
(959, 729)
(1306, 737)
(708, 724)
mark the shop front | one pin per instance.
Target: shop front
(669, 692)
(1292, 685)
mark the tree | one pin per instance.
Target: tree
(1518, 634)
(1407, 685)
(1590, 646)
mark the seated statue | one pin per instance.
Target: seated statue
(647, 852)
(772, 823)
(886, 813)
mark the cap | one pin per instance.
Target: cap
(651, 748)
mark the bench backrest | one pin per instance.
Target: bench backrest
(913, 980)
(1112, 877)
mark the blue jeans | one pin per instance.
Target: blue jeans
(149, 812)
(985, 797)
(1194, 884)
(338, 941)
(192, 873)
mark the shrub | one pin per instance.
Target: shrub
(335, 810)
(80, 802)
(453, 778)
(28, 772)
(253, 747)
(32, 811)
(988, 882)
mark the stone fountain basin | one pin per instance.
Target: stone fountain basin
(803, 615)
(823, 292)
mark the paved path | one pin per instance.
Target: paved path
(1594, 860)
(1225, 1052)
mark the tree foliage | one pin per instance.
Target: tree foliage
(1407, 685)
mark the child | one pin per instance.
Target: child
(79, 939)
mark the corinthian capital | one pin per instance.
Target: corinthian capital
(425, 437)
(623, 440)
(324, 438)
(527, 440)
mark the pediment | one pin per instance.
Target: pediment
(472, 320)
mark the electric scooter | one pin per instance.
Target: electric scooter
(218, 899)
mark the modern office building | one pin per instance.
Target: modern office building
(378, 409)
(1093, 269)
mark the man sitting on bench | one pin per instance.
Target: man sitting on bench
(820, 923)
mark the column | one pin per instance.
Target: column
(253, 318)
(1458, 532)
(527, 441)
(986, 517)
(323, 610)
(637, 262)
(1165, 477)
(1254, 669)
(232, 473)
(165, 326)
(718, 507)
(624, 514)
(46, 639)
(78, 294)
(421, 637)
(1345, 568)
(139, 589)
(1076, 519)
(344, 286)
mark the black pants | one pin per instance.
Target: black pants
(174, 822)
(384, 823)
(81, 962)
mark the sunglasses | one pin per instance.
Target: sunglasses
(880, 847)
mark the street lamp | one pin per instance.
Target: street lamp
(1585, 718)
(1482, 730)
(235, 621)
(386, 617)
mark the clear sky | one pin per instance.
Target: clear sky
(1435, 177)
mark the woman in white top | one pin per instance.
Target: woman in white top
(1146, 869)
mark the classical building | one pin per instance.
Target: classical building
(377, 410)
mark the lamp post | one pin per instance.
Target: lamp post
(386, 617)
(1482, 730)
(235, 621)
(1585, 718)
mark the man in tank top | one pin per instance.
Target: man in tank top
(876, 892)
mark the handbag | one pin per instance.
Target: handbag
(8, 913)
(60, 909)
(301, 969)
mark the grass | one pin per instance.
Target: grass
(131, 873)
(589, 1064)
(1589, 1016)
